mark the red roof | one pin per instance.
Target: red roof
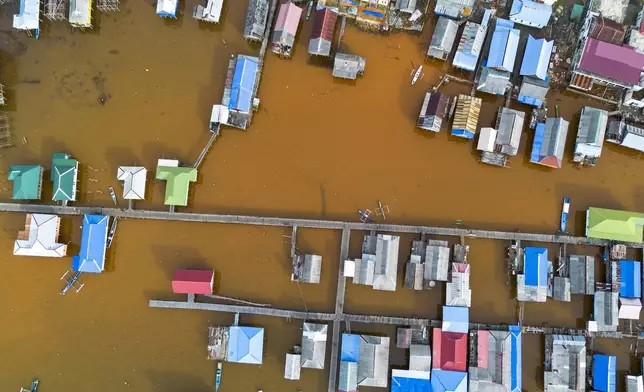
(481, 349)
(607, 30)
(324, 24)
(621, 63)
(450, 351)
(193, 281)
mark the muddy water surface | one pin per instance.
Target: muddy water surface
(140, 88)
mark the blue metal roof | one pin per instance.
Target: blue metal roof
(535, 266)
(449, 381)
(516, 366)
(530, 13)
(93, 240)
(245, 344)
(241, 93)
(350, 350)
(631, 275)
(456, 319)
(504, 45)
(604, 372)
(530, 101)
(539, 131)
(536, 58)
(463, 133)
(400, 383)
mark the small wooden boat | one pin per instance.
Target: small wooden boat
(417, 74)
(110, 235)
(218, 377)
(309, 9)
(34, 386)
(564, 214)
(113, 194)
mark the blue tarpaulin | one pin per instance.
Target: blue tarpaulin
(241, 93)
(516, 365)
(409, 381)
(631, 275)
(536, 266)
(604, 372)
(350, 350)
(539, 131)
(536, 58)
(530, 101)
(449, 381)
(245, 345)
(93, 240)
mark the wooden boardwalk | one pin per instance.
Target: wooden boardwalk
(308, 224)
(339, 311)
(373, 319)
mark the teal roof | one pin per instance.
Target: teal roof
(27, 181)
(64, 174)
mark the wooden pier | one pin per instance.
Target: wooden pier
(205, 150)
(308, 224)
(339, 311)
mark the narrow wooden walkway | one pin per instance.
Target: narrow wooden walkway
(307, 223)
(372, 319)
(339, 311)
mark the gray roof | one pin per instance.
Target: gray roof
(408, 6)
(458, 292)
(373, 361)
(443, 38)
(314, 338)
(554, 138)
(534, 88)
(420, 357)
(414, 276)
(530, 293)
(561, 289)
(292, 368)
(592, 126)
(493, 81)
(497, 375)
(510, 128)
(378, 267)
(605, 310)
(436, 261)
(348, 66)
(256, 17)
(307, 268)
(582, 274)
(567, 371)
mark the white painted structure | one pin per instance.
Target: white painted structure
(134, 178)
(29, 16)
(40, 237)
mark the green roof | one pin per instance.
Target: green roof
(27, 181)
(178, 180)
(64, 174)
(614, 225)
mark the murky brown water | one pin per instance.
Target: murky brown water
(318, 148)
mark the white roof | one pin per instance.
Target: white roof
(487, 136)
(168, 163)
(80, 12)
(629, 308)
(211, 12)
(42, 237)
(29, 18)
(219, 114)
(167, 7)
(134, 178)
(634, 141)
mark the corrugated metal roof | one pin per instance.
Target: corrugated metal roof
(256, 17)
(410, 381)
(28, 17)
(631, 279)
(629, 308)
(582, 274)
(614, 224)
(530, 13)
(187, 281)
(443, 38)
(498, 365)
(604, 379)
(605, 310)
(536, 266)
(454, 8)
(469, 47)
(456, 319)
(348, 380)
(40, 237)
(591, 132)
(549, 142)
(348, 66)
(246, 345)
(292, 368)
(322, 33)
(510, 128)
(448, 381)
(93, 241)
(567, 369)
(373, 363)
(314, 338)
(536, 58)
(634, 383)
(386, 266)
(449, 350)
(533, 91)
(561, 289)
(487, 137)
(420, 357)
(458, 292)
(618, 63)
(241, 94)
(288, 18)
(504, 45)
(606, 30)
(433, 111)
(436, 261)
(350, 348)
(493, 81)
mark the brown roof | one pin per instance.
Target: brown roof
(607, 30)
(437, 105)
(324, 24)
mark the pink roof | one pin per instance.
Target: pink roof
(621, 63)
(450, 350)
(481, 349)
(193, 281)
(288, 18)
(460, 267)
